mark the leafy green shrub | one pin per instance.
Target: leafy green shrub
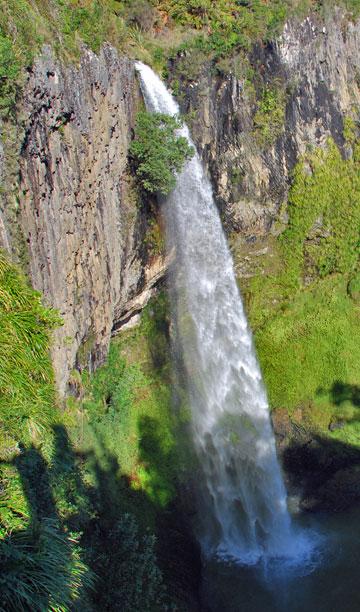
(158, 152)
(134, 581)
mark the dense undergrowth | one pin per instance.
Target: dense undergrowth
(305, 309)
(82, 488)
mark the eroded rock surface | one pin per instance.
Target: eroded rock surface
(77, 207)
(316, 67)
(77, 210)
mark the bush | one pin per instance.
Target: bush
(158, 152)
(134, 579)
(269, 119)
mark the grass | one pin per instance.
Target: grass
(128, 405)
(303, 306)
(42, 566)
(27, 396)
(75, 511)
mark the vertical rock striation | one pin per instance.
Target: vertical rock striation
(77, 208)
(316, 67)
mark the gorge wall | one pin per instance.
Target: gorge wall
(313, 74)
(78, 214)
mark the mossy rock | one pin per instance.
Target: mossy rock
(354, 288)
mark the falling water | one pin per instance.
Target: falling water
(243, 508)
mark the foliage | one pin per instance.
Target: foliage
(217, 29)
(41, 570)
(304, 309)
(313, 342)
(9, 73)
(63, 502)
(27, 398)
(158, 152)
(132, 460)
(323, 206)
(269, 118)
(135, 581)
(129, 408)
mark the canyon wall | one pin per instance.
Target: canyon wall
(77, 213)
(313, 74)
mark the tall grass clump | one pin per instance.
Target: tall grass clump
(27, 395)
(42, 570)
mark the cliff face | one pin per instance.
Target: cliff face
(77, 208)
(313, 72)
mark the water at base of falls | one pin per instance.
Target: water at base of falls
(242, 499)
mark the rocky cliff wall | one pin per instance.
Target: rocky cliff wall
(77, 211)
(312, 74)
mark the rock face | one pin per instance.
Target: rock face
(78, 210)
(315, 68)
(80, 219)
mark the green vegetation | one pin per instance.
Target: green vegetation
(269, 118)
(27, 396)
(304, 310)
(158, 152)
(42, 566)
(82, 489)
(42, 571)
(126, 430)
(150, 30)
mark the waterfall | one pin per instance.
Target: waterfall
(243, 511)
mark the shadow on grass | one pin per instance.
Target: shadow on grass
(343, 392)
(92, 509)
(325, 469)
(98, 501)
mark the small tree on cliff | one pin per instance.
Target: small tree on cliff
(158, 152)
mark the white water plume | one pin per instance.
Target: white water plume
(243, 506)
